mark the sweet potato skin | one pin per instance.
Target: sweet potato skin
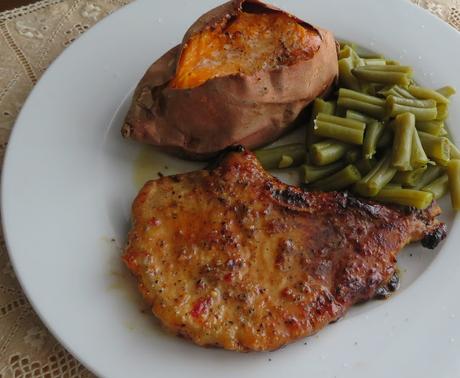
(237, 109)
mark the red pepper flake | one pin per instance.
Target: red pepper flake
(200, 307)
(154, 222)
(228, 277)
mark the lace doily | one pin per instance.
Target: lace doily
(31, 38)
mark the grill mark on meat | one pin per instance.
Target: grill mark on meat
(231, 257)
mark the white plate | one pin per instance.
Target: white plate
(68, 185)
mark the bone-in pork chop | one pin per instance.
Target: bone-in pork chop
(232, 257)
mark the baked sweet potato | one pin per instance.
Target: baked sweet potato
(242, 75)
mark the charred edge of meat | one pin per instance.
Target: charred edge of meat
(372, 210)
(432, 239)
(237, 148)
(385, 291)
(289, 196)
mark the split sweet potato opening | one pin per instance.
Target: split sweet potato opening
(245, 44)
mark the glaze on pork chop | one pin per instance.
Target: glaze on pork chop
(232, 257)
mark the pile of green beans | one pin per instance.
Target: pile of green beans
(379, 135)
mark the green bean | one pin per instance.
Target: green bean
(443, 132)
(374, 61)
(346, 77)
(328, 151)
(409, 178)
(319, 106)
(351, 114)
(418, 157)
(430, 127)
(423, 110)
(371, 89)
(453, 171)
(427, 94)
(386, 139)
(340, 121)
(396, 91)
(377, 178)
(432, 173)
(391, 62)
(311, 173)
(447, 91)
(439, 187)
(285, 162)
(347, 44)
(391, 68)
(272, 158)
(383, 74)
(340, 133)
(402, 144)
(392, 185)
(437, 148)
(350, 52)
(443, 112)
(454, 151)
(405, 197)
(369, 105)
(340, 180)
(365, 166)
(373, 133)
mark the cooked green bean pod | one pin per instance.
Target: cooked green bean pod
(391, 68)
(430, 127)
(423, 110)
(340, 121)
(341, 133)
(437, 148)
(339, 181)
(373, 133)
(443, 112)
(396, 91)
(328, 151)
(369, 105)
(439, 187)
(373, 61)
(409, 178)
(454, 151)
(377, 178)
(351, 114)
(391, 74)
(443, 132)
(402, 145)
(432, 173)
(453, 171)
(311, 173)
(346, 77)
(405, 197)
(447, 91)
(278, 157)
(344, 44)
(319, 106)
(418, 156)
(285, 162)
(427, 94)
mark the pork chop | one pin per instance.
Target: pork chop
(232, 257)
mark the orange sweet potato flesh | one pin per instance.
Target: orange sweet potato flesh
(243, 74)
(245, 45)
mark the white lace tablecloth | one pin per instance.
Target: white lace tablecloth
(31, 38)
